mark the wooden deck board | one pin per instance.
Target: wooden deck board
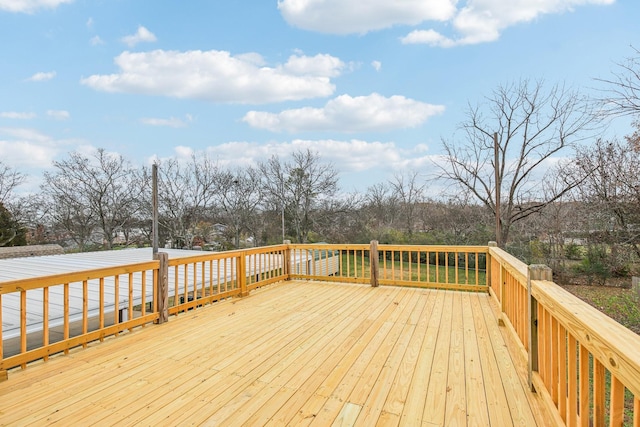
(294, 353)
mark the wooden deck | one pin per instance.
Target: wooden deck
(294, 353)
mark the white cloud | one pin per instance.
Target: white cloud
(173, 122)
(481, 21)
(96, 41)
(472, 21)
(377, 65)
(357, 16)
(16, 115)
(58, 114)
(349, 114)
(22, 147)
(42, 76)
(142, 35)
(220, 77)
(89, 23)
(30, 6)
(348, 156)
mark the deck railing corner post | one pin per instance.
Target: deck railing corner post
(242, 273)
(162, 287)
(287, 259)
(373, 263)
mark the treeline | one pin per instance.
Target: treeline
(101, 201)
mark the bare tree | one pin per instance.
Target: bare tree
(410, 193)
(101, 191)
(10, 178)
(239, 199)
(611, 189)
(533, 126)
(11, 231)
(381, 209)
(622, 94)
(299, 186)
(186, 192)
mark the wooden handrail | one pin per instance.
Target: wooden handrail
(38, 282)
(560, 333)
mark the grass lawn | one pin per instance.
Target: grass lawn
(358, 266)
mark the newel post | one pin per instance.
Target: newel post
(373, 263)
(490, 272)
(287, 260)
(241, 273)
(534, 272)
(162, 287)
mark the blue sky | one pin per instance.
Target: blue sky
(372, 85)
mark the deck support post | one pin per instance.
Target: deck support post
(162, 287)
(287, 260)
(241, 274)
(3, 375)
(534, 272)
(373, 263)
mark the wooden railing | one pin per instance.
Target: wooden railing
(440, 267)
(585, 365)
(113, 300)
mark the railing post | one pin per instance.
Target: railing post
(162, 287)
(287, 259)
(241, 273)
(534, 272)
(373, 263)
(489, 265)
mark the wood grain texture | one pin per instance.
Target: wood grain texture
(293, 353)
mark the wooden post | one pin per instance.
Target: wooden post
(241, 273)
(534, 272)
(373, 263)
(287, 259)
(162, 287)
(490, 277)
(635, 285)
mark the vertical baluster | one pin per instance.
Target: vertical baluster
(572, 406)
(130, 298)
(116, 302)
(143, 301)
(66, 316)
(616, 407)
(45, 319)
(562, 372)
(584, 386)
(101, 309)
(23, 324)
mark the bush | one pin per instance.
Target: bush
(594, 266)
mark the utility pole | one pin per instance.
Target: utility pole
(496, 152)
(154, 203)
